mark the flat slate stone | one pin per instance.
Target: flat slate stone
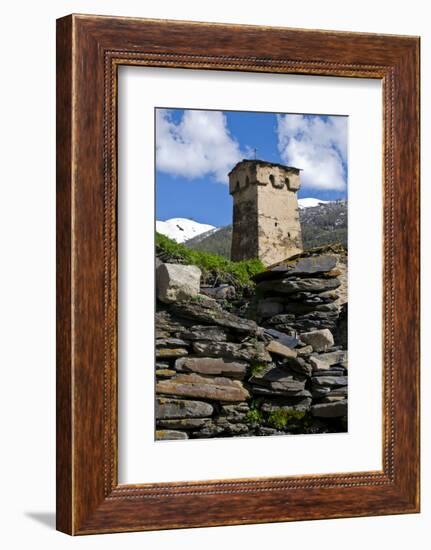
(320, 391)
(316, 299)
(239, 407)
(182, 423)
(287, 404)
(333, 398)
(170, 343)
(277, 378)
(181, 408)
(330, 380)
(209, 312)
(270, 392)
(320, 340)
(325, 360)
(302, 308)
(210, 429)
(165, 325)
(282, 319)
(168, 353)
(330, 410)
(246, 351)
(298, 364)
(166, 435)
(278, 348)
(282, 337)
(312, 265)
(231, 428)
(212, 365)
(235, 413)
(339, 391)
(305, 351)
(194, 385)
(165, 373)
(332, 371)
(203, 332)
(289, 286)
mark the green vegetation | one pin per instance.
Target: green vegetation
(213, 266)
(217, 242)
(199, 299)
(257, 368)
(325, 224)
(280, 418)
(312, 239)
(254, 416)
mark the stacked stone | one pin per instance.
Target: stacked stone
(219, 374)
(203, 356)
(301, 298)
(300, 295)
(329, 376)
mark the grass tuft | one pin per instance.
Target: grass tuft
(280, 418)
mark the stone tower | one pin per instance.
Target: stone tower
(265, 211)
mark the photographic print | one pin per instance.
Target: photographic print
(251, 256)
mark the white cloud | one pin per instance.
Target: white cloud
(318, 146)
(198, 145)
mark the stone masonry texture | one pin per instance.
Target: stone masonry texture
(265, 211)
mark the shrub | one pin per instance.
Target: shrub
(280, 418)
(254, 416)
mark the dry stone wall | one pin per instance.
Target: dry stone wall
(221, 374)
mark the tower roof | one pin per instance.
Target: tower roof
(265, 163)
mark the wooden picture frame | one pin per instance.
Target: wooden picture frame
(89, 51)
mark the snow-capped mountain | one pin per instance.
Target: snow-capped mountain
(182, 229)
(310, 202)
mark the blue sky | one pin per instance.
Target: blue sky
(196, 149)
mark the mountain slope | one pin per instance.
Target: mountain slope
(217, 242)
(182, 229)
(324, 224)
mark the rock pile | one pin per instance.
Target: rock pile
(300, 295)
(219, 374)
